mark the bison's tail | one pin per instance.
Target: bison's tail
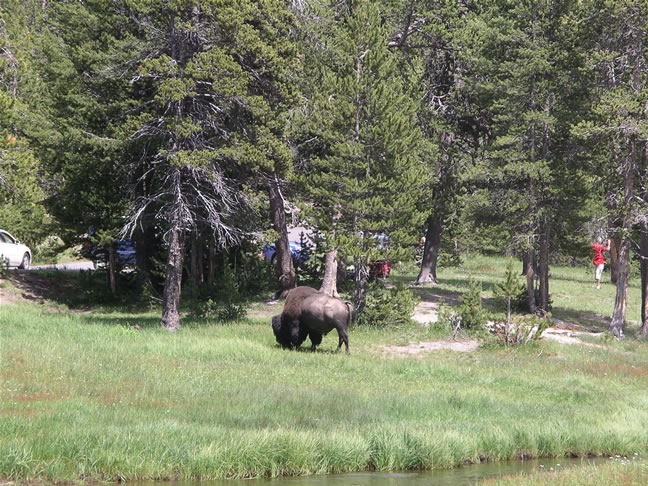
(352, 313)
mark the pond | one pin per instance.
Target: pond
(465, 475)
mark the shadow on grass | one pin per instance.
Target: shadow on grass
(82, 290)
(583, 318)
(143, 321)
(432, 293)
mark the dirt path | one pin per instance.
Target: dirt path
(422, 347)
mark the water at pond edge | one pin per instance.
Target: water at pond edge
(460, 476)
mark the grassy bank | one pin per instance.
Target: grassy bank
(86, 395)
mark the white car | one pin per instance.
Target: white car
(13, 253)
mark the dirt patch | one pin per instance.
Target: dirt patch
(426, 312)
(566, 336)
(268, 309)
(423, 347)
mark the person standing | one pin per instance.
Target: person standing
(599, 259)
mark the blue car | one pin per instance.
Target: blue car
(269, 253)
(125, 250)
(124, 253)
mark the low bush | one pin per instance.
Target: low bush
(470, 310)
(519, 329)
(469, 315)
(388, 307)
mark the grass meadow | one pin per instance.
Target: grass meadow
(85, 395)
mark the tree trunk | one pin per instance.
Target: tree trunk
(173, 280)
(643, 249)
(526, 262)
(431, 251)
(360, 287)
(329, 285)
(615, 241)
(617, 324)
(643, 332)
(286, 276)
(543, 265)
(112, 269)
(197, 277)
(530, 278)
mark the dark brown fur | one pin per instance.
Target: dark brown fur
(286, 327)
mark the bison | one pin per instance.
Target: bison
(321, 313)
(286, 326)
(308, 312)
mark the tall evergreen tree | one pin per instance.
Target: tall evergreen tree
(434, 36)
(213, 81)
(618, 124)
(368, 173)
(527, 73)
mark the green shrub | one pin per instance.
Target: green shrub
(470, 310)
(511, 293)
(388, 307)
(221, 311)
(447, 318)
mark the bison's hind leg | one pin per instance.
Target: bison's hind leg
(343, 339)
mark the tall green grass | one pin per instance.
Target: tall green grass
(86, 395)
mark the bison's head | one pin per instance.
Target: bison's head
(282, 337)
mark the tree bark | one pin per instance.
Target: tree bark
(286, 276)
(329, 284)
(543, 265)
(112, 269)
(530, 278)
(173, 281)
(360, 286)
(615, 241)
(643, 332)
(526, 262)
(431, 251)
(617, 324)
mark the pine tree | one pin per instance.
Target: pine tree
(526, 69)
(617, 129)
(368, 174)
(22, 210)
(212, 82)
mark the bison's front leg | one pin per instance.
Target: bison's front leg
(316, 339)
(297, 334)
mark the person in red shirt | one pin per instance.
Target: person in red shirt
(599, 259)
